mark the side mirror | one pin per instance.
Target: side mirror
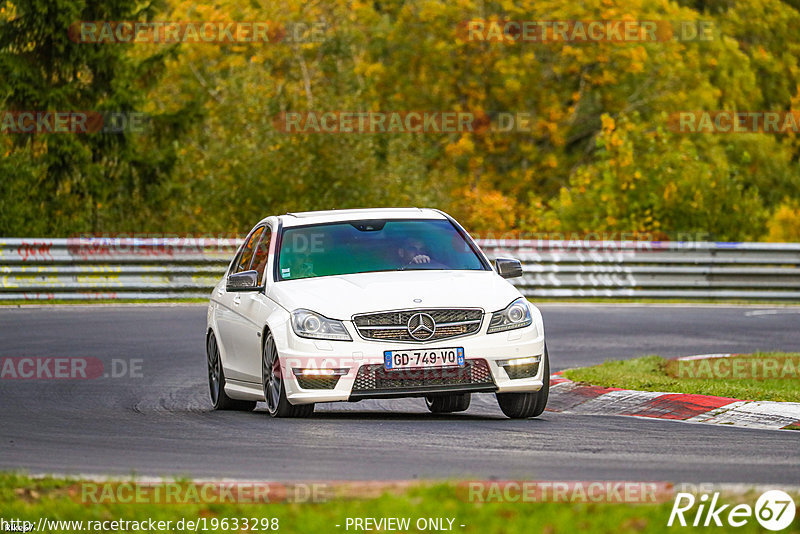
(243, 281)
(508, 268)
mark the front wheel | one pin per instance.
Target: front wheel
(448, 403)
(525, 405)
(216, 381)
(274, 391)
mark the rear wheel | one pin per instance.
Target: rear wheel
(524, 405)
(448, 403)
(274, 391)
(216, 381)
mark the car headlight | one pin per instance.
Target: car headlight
(307, 323)
(516, 315)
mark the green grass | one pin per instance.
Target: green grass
(29, 499)
(654, 373)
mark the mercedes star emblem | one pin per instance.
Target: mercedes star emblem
(421, 326)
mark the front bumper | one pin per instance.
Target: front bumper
(360, 363)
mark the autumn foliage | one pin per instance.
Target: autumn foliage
(590, 148)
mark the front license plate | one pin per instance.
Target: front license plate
(416, 359)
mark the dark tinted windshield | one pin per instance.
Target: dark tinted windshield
(369, 246)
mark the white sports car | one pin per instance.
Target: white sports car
(347, 305)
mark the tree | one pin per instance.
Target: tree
(78, 182)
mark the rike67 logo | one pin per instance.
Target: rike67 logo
(774, 510)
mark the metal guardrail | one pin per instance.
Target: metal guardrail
(158, 268)
(112, 268)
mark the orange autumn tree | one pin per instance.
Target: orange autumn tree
(556, 168)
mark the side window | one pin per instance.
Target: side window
(262, 255)
(243, 263)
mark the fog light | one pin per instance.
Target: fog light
(320, 372)
(318, 378)
(521, 367)
(519, 361)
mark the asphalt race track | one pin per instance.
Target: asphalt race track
(160, 423)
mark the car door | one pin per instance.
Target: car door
(253, 309)
(228, 317)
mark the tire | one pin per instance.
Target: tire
(216, 381)
(448, 403)
(272, 380)
(525, 405)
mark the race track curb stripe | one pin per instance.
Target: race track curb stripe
(571, 397)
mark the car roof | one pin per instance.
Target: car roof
(328, 216)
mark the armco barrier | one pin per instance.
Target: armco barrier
(131, 268)
(112, 268)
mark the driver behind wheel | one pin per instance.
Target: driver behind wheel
(412, 251)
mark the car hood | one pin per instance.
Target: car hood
(341, 297)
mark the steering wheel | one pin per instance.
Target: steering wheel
(428, 265)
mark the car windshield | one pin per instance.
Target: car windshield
(375, 245)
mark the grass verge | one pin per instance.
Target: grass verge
(56, 499)
(777, 382)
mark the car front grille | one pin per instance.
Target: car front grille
(375, 377)
(393, 326)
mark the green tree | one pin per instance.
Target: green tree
(80, 182)
(663, 184)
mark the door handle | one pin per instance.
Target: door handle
(237, 299)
